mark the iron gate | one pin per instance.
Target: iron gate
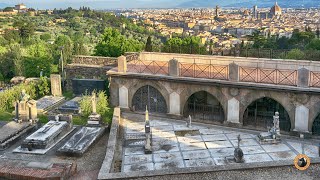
(316, 126)
(200, 108)
(151, 97)
(260, 114)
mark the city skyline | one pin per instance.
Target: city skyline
(112, 4)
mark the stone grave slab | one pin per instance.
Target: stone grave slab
(192, 146)
(162, 128)
(133, 150)
(165, 148)
(214, 137)
(252, 150)
(138, 167)
(161, 141)
(162, 157)
(135, 143)
(284, 155)
(218, 144)
(199, 162)
(134, 136)
(220, 161)
(163, 134)
(275, 147)
(189, 139)
(200, 154)
(245, 142)
(309, 150)
(210, 131)
(215, 153)
(169, 165)
(233, 136)
(134, 128)
(135, 159)
(12, 132)
(45, 138)
(252, 158)
(183, 127)
(155, 123)
(71, 106)
(80, 142)
(47, 103)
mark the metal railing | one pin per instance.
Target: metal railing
(313, 55)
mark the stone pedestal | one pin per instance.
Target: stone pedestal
(122, 64)
(94, 120)
(33, 109)
(23, 111)
(174, 68)
(233, 72)
(56, 89)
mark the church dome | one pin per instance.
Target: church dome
(276, 9)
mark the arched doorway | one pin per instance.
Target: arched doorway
(151, 97)
(204, 106)
(259, 115)
(316, 126)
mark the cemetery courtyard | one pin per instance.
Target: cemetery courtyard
(59, 137)
(204, 152)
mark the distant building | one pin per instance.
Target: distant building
(217, 11)
(276, 10)
(20, 7)
(255, 12)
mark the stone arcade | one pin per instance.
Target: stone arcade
(238, 92)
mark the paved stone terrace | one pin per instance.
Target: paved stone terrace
(204, 145)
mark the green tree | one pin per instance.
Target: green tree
(149, 45)
(11, 35)
(63, 43)
(295, 54)
(113, 44)
(34, 65)
(314, 44)
(26, 28)
(45, 37)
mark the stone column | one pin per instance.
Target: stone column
(33, 109)
(122, 64)
(56, 89)
(303, 77)
(233, 72)
(174, 68)
(301, 122)
(123, 97)
(233, 115)
(174, 103)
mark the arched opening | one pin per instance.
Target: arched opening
(316, 126)
(204, 106)
(259, 115)
(151, 97)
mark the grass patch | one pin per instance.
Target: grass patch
(107, 118)
(79, 120)
(68, 95)
(5, 116)
(43, 118)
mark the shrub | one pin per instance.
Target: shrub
(102, 105)
(43, 87)
(8, 97)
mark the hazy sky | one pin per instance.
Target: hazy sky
(101, 4)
